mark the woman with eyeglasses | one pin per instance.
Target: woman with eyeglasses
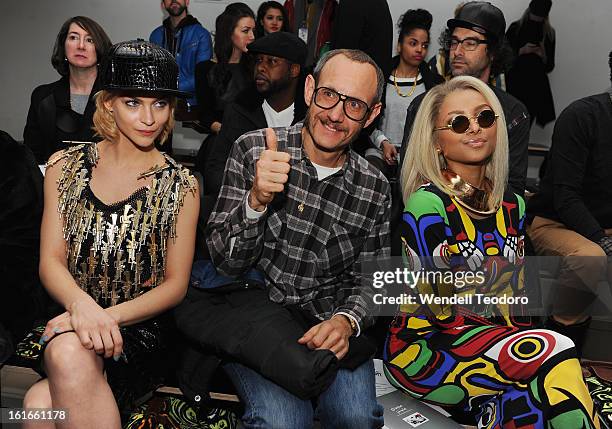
(464, 342)
(62, 111)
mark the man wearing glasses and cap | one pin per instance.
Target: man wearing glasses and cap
(475, 46)
(300, 207)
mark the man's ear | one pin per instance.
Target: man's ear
(309, 88)
(294, 70)
(374, 112)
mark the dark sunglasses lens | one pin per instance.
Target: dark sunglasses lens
(460, 124)
(486, 118)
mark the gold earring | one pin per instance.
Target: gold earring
(441, 157)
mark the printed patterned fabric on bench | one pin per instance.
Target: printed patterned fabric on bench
(601, 392)
(27, 352)
(166, 412)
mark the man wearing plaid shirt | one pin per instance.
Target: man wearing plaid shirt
(298, 205)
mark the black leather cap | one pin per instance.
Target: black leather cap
(281, 44)
(482, 17)
(138, 65)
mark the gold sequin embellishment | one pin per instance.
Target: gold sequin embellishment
(117, 252)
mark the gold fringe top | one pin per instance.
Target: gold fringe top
(117, 252)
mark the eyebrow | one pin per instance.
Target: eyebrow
(141, 98)
(462, 112)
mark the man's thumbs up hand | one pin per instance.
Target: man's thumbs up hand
(271, 173)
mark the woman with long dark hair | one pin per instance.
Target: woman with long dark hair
(271, 17)
(219, 81)
(63, 110)
(117, 241)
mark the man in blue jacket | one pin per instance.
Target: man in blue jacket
(188, 41)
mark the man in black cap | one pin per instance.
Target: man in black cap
(475, 46)
(276, 100)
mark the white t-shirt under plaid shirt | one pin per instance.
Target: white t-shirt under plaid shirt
(314, 236)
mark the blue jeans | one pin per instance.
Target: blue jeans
(349, 403)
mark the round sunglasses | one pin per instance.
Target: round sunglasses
(461, 123)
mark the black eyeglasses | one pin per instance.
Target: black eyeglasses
(327, 98)
(461, 123)
(469, 43)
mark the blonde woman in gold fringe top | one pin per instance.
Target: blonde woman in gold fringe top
(117, 242)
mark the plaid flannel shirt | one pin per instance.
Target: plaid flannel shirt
(313, 237)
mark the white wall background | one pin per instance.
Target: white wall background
(28, 29)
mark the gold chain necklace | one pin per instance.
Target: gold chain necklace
(397, 87)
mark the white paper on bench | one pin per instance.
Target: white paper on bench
(383, 386)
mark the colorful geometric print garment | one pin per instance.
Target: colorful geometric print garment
(483, 359)
(117, 252)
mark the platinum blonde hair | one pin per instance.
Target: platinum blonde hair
(423, 164)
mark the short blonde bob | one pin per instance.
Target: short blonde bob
(104, 123)
(422, 163)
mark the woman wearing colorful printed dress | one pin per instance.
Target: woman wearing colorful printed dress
(483, 358)
(117, 242)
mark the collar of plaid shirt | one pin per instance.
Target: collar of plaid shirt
(295, 148)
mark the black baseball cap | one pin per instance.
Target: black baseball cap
(281, 44)
(482, 17)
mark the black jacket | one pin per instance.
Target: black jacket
(517, 121)
(239, 323)
(51, 120)
(366, 25)
(244, 115)
(527, 80)
(575, 189)
(218, 86)
(21, 205)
